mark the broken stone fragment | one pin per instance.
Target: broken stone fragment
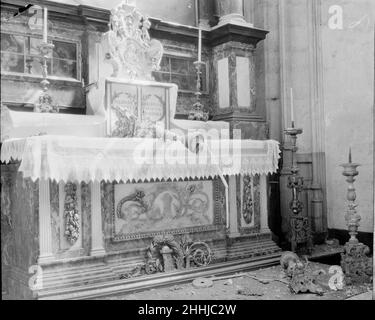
(229, 282)
(248, 292)
(202, 283)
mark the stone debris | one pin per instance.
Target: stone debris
(203, 283)
(229, 282)
(319, 272)
(175, 288)
(248, 292)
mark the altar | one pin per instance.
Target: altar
(130, 196)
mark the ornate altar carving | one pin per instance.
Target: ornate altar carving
(248, 204)
(71, 213)
(151, 209)
(167, 253)
(131, 52)
(247, 207)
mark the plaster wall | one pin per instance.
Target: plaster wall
(348, 75)
(331, 72)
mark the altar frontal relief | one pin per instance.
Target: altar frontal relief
(152, 207)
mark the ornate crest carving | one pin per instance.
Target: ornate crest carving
(130, 50)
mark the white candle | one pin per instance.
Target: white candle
(45, 25)
(97, 61)
(199, 44)
(291, 105)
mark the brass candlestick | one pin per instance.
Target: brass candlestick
(197, 112)
(45, 102)
(354, 262)
(300, 231)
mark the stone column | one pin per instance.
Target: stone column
(204, 13)
(97, 246)
(264, 204)
(45, 230)
(230, 11)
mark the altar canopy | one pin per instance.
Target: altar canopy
(64, 158)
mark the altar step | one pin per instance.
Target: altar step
(80, 277)
(103, 287)
(95, 276)
(242, 252)
(111, 269)
(247, 247)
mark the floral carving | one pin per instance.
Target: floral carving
(167, 253)
(71, 213)
(247, 211)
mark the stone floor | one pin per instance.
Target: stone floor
(274, 290)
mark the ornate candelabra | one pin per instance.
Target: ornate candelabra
(354, 262)
(300, 231)
(45, 102)
(197, 112)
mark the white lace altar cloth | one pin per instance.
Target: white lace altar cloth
(65, 158)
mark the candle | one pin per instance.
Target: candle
(199, 44)
(97, 61)
(45, 25)
(291, 106)
(350, 155)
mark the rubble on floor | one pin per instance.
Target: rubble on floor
(246, 286)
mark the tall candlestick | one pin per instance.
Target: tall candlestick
(291, 106)
(350, 155)
(199, 44)
(45, 25)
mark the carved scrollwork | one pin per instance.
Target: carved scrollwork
(167, 253)
(71, 213)
(199, 253)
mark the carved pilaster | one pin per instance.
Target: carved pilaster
(97, 247)
(45, 228)
(264, 228)
(233, 223)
